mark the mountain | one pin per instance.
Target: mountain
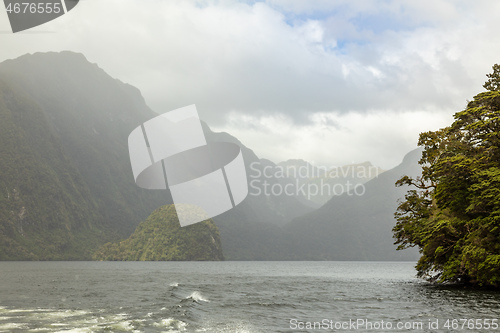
(161, 238)
(253, 229)
(66, 184)
(65, 180)
(272, 209)
(356, 225)
(46, 210)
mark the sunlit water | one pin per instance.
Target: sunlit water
(230, 297)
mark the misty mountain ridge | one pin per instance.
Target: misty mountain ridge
(61, 100)
(66, 185)
(357, 227)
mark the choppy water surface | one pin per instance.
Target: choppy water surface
(232, 297)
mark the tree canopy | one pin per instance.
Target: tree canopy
(452, 213)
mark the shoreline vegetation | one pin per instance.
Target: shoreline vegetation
(452, 213)
(67, 193)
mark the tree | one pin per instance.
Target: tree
(453, 212)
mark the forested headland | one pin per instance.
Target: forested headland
(452, 211)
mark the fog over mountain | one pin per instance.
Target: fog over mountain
(356, 227)
(66, 180)
(66, 185)
(364, 76)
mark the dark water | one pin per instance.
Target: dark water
(232, 297)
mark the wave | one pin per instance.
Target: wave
(59, 321)
(172, 324)
(197, 297)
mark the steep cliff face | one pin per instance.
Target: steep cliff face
(65, 179)
(160, 238)
(46, 209)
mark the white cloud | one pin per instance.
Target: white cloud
(381, 70)
(335, 139)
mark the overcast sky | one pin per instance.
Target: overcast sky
(331, 82)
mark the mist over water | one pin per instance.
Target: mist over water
(225, 296)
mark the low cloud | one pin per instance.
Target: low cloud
(336, 139)
(298, 72)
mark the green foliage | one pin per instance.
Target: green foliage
(45, 209)
(160, 238)
(454, 214)
(493, 83)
